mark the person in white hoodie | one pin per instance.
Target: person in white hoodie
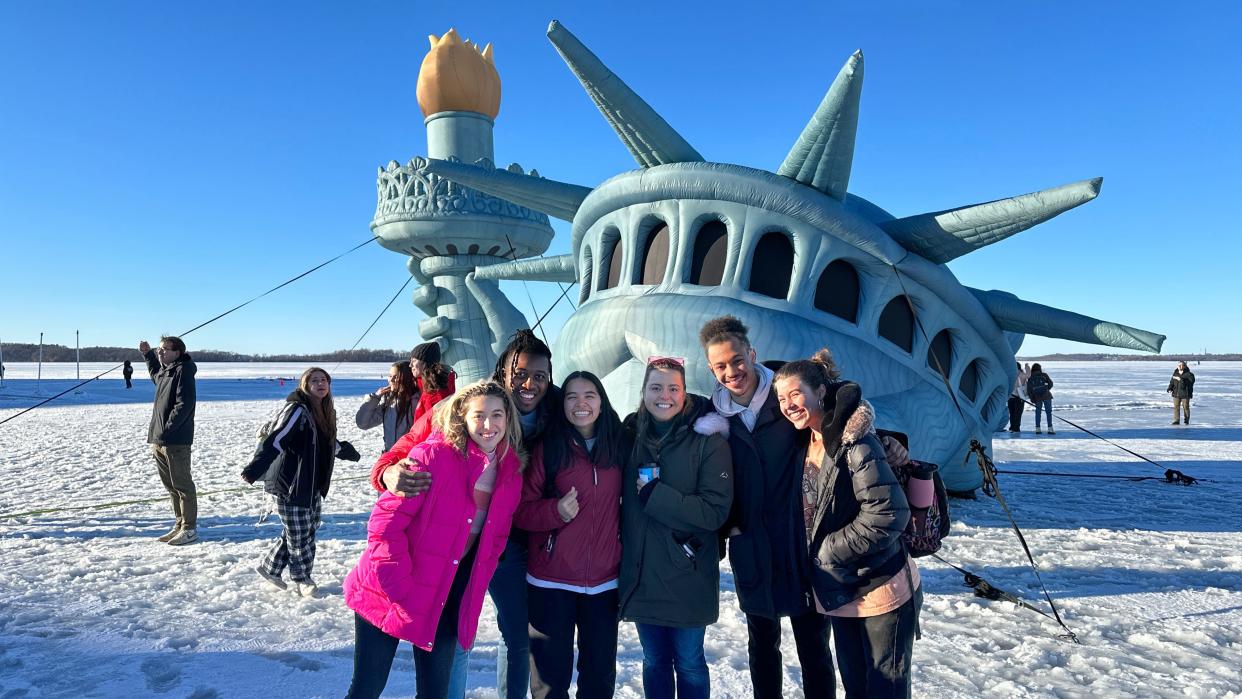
(1017, 399)
(766, 539)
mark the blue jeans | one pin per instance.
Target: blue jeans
(1046, 405)
(669, 651)
(457, 677)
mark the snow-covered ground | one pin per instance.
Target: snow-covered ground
(1148, 575)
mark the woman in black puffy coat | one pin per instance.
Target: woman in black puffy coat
(854, 511)
(294, 460)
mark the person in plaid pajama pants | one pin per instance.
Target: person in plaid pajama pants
(294, 460)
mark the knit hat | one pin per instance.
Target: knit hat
(428, 353)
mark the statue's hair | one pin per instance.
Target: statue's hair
(819, 370)
(724, 329)
(450, 418)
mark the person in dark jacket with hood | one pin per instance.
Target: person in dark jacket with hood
(128, 373)
(1182, 388)
(171, 433)
(1039, 390)
(295, 462)
(571, 506)
(767, 543)
(855, 512)
(676, 493)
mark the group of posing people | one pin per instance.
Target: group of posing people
(573, 519)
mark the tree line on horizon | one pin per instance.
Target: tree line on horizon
(23, 352)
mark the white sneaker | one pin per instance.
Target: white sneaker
(273, 579)
(171, 533)
(183, 537)
(306, 589)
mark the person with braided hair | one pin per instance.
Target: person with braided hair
(854, 513)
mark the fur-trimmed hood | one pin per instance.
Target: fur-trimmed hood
(847, 417)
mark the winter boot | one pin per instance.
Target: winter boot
(307, 589)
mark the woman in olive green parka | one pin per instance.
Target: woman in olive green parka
(670, 574)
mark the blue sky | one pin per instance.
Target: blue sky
(161, 162)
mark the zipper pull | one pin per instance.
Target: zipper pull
(595, 474)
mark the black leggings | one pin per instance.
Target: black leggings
(374, 649)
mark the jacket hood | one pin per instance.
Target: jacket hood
(722, 400)
(847, 417)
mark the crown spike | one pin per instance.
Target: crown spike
(824, 152)
(435, 40)
(556, 199)
(946, 235)
(450, 38)
(646, 134)
(487, 54)
(1015, 315)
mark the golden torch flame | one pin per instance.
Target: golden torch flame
(457, 75)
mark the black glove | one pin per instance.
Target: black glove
(347, 452)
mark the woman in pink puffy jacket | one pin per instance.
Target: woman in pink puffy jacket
(430, 557)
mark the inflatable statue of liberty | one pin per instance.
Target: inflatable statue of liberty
(661, 249)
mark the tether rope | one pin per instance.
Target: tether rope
(990, 485)
(372, 325)
(142, 501)
(196, 327)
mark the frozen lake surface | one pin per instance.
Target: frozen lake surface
(1148, 575)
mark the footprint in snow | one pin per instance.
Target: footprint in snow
(162, 673)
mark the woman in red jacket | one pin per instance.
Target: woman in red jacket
(571, 505)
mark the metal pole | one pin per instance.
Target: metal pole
(1, 363)
(77, 348)
(39, 380)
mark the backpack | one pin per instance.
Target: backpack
(927, 527)
(269, 425)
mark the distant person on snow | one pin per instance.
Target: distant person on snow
(392, 406)
(128, 372)
(1017, 402)
(172, 431)
(295, 463)
(1039, 389)
(1182, 388)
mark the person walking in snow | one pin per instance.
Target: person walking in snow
(1017, 399)
(854, 513)
(1182, 388)
(1039, 389)
(571, 507)
(429, 558)
(128, 373)
(171, 432)
(295, 462)
(392, 406)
